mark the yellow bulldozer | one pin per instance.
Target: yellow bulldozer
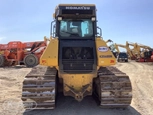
(78, 62)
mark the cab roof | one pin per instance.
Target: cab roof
(76, 5)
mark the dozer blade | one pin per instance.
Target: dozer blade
(39, 90)
(115, 88)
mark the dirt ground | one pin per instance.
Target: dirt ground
(141, 75)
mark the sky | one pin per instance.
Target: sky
(120, 20)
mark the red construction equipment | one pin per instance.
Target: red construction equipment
(16, 53)
(31, 57)
(148, 56)
(152, 56)
(2, 48)
(145, 53)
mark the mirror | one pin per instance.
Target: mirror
(99, 31)
(52, 29)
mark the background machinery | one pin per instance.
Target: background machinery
(135, 50)
(129, 51)
(145, 53)
(16, 53)
(80, 65)
(139, 52)
(112, 48)
(33, 52)
(2, 48)
(122, 56)
(12, 53)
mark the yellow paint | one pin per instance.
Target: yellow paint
(50, 55)
(107, 61)
(116, 47)
(77, 81)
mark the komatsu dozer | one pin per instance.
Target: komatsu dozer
(77, 62)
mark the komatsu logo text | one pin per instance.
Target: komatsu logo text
(78, 8)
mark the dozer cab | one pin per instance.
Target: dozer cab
(78, 62)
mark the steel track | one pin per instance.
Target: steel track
(39, 87)
(115, 90)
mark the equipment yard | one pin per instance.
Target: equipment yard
(141, 76)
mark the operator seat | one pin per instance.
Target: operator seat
(75, 32)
